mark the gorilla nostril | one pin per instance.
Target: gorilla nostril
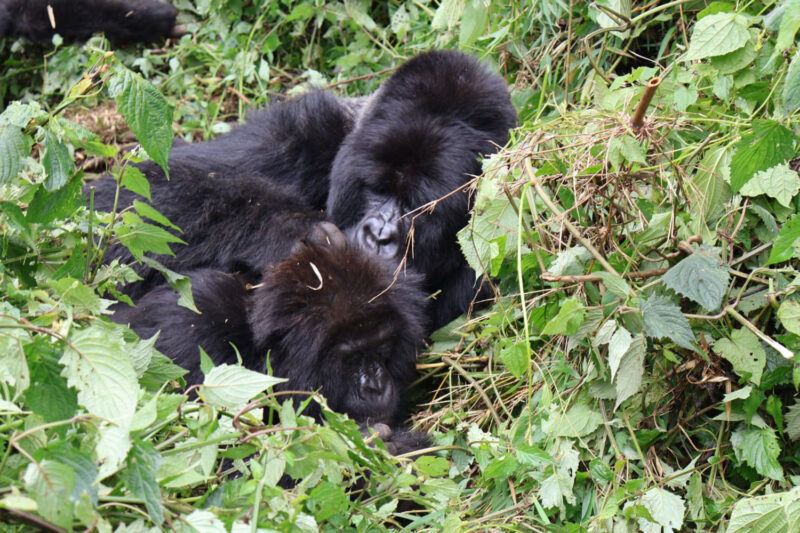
(376, 388)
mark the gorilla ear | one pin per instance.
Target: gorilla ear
(327, 234)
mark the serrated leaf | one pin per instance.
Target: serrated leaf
(14, 147)
(619, 344)
(791, 86)
(147, 113)
(665, 508)
(95, 364)
(516, 358)
(57, 162)
(631, 370)
(740, 394)
(745, 353)
(51, 484)
(789, 315)
(148, 211)
(736, 60)
(662, 319)
(701, 277)
(625, 148)
(140, 237)
(140, 478)
(783, 248)
(580, 420)
(779, 182)
(448, 14)
(568, 319)
(570, 261)
(769, 513)
(759, 448)
(769, 145)
(134, 180)
(233, 385)
(716, 35)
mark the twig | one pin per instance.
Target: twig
(780, 348)
(583, 278)
(358, 78)
(458, 368)
(649, 90)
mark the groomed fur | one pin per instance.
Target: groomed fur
(122, 21)
(418, 140)
(328, 332)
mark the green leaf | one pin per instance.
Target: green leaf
(329, 499)
(140, 237)
(580, 420)
(433, 466)
(473, 23)
(48, 206)
(779, 182)
(759, 448)
(14, 147)
(701, 277)
(783, 248)
(619, 344)
(95, 364)
(736, 60)
(568, 319)
(623, 7)
(140, 477)
(631, 370)
(769, 145)
(448, 14)
(770, 513)
(716, 35)
(51, 484)
(146, 112)
(57, 162)
(625, 148)
(233, 385)
(789, 315)
(791, 86)
(516, 358)
(148, 211)
(710, 189)
(665, 508)
(745, 353)
(134, 180)
(790, 23)
(50, 397)
(600, 472)
(481, 239)
(615, 284)
(664, 319)
(793, 421)
(300, 12)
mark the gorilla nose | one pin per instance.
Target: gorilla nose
(379, 236)
(376, 388)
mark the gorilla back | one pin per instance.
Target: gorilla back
(328, 318)
(418, 141)
(122, 21)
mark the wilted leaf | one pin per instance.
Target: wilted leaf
(701, 276)
(779, 182)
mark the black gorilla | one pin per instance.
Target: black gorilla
(235, 197)
(328, 317)
(122, 21)
(416, 141)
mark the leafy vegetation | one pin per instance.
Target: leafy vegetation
(637, 370)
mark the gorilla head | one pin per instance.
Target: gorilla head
(334, 319)
(417, 141)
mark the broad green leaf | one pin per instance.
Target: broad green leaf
(793, 421)
(745, 353)
(51, 484)
(600, 471)
(300, 12)
(790, 23)
(783, 248)
(14, 147)
(662, 319)
(789, 315)
(570, 262)
(779, 182)
(516, 358)
(57, 162)
(769, 145)
(448, 14)
(619, 344)
(625, 148)
(182, 284)
(740, 394)
(631, 370)
(710, 190)
(50, 397)
(473, 23)
(735, 61)
(432, 466)
(190, 467)
(95, 363)
(140, 237)
(716, 35)
(48, 206)
(328, 499)
(759, 448)
(148, 211)
(665, 508)
(701, 276)
(623, 7)
(480, 240)
(557, 488)
(233, 386)
(580, 420)
(147, 113)
(134, 180)
(568, 319)
(769, 513)
(140, 478)
(791, 86)
(201, 521)
(616, 285)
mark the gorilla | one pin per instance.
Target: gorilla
(372, 163)
(122, 21)
(328, 317)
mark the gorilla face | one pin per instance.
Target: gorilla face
(333, 319)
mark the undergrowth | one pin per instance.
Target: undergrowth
(636, 370)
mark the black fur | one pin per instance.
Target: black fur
(122, 21)
(353, 334)
(418, 140)
(243, 199)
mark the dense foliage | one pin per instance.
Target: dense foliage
(637, 370)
